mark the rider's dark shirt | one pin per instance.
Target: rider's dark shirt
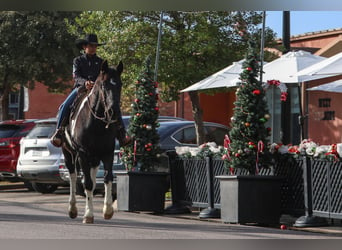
(86, 68)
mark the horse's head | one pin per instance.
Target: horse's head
(108, 86)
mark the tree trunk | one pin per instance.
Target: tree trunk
(198, 117)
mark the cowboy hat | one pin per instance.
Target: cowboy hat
(89, 39)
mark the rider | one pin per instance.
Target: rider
(86, 69)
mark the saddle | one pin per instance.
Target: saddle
(81, 94)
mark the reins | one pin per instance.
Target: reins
(108, 112)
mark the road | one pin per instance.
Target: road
(30, 215)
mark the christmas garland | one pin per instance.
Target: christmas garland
(280, 85)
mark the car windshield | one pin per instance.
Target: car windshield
(7, 130)
(42, 130)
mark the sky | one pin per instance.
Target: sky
(304, 21)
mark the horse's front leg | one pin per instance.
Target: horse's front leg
(72, 197)
(108, 209)
(90, 184)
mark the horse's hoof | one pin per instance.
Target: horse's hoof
(88, 220)
(108, 216)
(73, 214)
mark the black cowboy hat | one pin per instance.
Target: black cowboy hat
(89, 39)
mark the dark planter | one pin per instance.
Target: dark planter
(250, 199)
(141, 191)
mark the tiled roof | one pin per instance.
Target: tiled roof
(315, 34)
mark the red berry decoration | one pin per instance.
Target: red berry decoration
(249, 68)
(283, 227)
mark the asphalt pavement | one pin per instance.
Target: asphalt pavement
(30, 215)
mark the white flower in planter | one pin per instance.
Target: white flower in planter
(283, 149)
(321, 150)
(182, 150)
(194, 151)
(339, 149)
(309, 146)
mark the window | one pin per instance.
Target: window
(186, 136)
(44, 130)
(329, 115)
(324, 102)
(13, 98)
(215, 134)
(7, 131)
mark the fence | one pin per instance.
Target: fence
(326, 181)
(191, 185)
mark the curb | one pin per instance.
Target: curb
(11, 186)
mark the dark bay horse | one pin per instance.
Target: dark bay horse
(90, 138)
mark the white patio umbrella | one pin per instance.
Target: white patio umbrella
(331, 66)
(286, 67)
(284, 70)
(335, 86)
(222, 78)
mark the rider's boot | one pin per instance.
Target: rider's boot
(56, 138)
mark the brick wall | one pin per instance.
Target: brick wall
(43, 104)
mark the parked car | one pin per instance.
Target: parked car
(39, 161)
(11, 133)
(183, 133)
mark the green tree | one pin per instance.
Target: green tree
(249, 136)
(142, 155)
(194, 45)
(34, 47)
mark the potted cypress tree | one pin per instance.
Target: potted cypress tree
(246, 196)
(141, 187)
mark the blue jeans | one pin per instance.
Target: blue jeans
(65, 108)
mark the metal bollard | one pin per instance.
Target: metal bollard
(211, 211)
(179, 204)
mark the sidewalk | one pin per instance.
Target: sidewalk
(286, 220)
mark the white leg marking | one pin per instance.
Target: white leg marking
(108, 209)
(89, 209)
(72, 197)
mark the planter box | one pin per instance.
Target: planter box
(141, 191)
(250, 199)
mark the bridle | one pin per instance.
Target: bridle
(108, 112)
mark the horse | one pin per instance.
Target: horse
(89, 138)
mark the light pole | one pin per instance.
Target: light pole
(158, 46)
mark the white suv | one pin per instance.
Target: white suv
(39, 161)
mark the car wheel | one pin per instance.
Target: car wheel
(44, 188)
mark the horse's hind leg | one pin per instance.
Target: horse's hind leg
(108, 209)
(72, 198)
(90, 184)
(72, 180)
